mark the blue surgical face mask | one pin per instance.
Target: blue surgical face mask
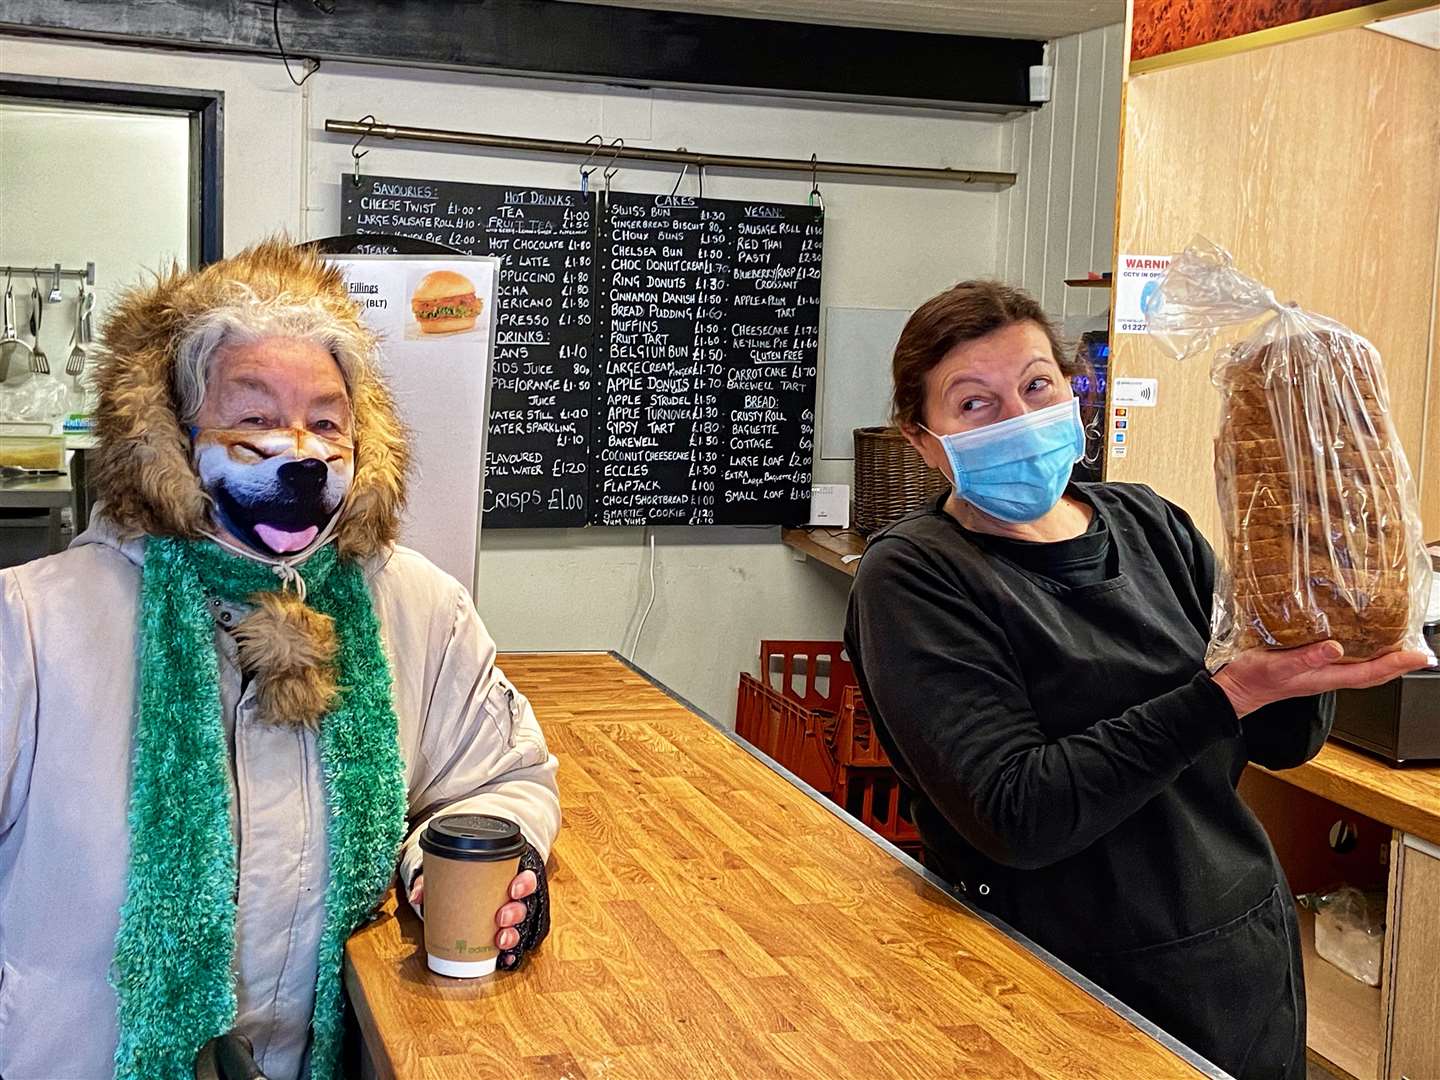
(1017, 470)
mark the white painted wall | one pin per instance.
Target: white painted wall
(1058, 221)
(887, 245)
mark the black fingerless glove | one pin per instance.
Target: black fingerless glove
(535, 927)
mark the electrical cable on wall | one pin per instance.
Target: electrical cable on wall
(311, 64)
(641, 628)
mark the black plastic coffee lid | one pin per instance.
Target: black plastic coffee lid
(473, 836)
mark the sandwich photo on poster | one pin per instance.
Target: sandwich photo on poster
(442, 302)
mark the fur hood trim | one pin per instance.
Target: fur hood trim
(143, 468)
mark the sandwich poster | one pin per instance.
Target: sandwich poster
(435, 315)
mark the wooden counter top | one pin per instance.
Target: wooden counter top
(712, 919)
(1405, 798)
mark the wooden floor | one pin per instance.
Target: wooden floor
(712, 920)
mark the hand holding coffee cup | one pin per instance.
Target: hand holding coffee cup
(472, 891)
(507, 918)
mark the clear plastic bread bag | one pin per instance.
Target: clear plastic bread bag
(1322, 530)
(1349, 930)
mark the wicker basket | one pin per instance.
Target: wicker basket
(891, 478)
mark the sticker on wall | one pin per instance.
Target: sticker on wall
(1119, 423)
(1142, 392)
(1139, 276)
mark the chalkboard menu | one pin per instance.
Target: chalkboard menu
(537, 456)
(706, 362)
(654, 366)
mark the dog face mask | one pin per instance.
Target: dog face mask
(274, 489)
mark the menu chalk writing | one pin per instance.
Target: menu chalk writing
(706, 362)
(537, 458)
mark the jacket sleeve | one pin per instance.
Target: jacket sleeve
(481, 748)
(939, 673)
(19, 703)
(1285, 733)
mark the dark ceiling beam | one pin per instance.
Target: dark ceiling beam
(593, 42)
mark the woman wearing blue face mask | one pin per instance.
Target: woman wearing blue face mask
(1032, 650)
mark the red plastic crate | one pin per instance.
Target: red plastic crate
(806, 712)
(787, 731)
(880, 800)
(856, 745)
(811, 673)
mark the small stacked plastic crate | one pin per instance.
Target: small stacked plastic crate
(865, 782)
(806, 712)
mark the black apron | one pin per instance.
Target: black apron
(1235, 994)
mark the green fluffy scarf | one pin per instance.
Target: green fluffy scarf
(174, 952)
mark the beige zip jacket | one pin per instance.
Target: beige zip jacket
(67, 694)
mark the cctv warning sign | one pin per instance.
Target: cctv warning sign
(1137, 279)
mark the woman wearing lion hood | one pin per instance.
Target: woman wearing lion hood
(234, 703)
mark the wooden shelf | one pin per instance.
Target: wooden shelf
(1342, 1013)
(836, 548)
(1405, 798)
(1089, 283)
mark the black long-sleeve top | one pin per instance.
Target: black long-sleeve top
(1074, 764)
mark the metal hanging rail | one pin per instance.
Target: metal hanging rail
(677, 157)
(54, 272)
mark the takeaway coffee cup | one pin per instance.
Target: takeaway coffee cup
(470, 860)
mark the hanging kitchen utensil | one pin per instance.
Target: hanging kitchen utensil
(39, 362)
(10, 344)
(75, 363)
(56, 296)
(87, 317)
